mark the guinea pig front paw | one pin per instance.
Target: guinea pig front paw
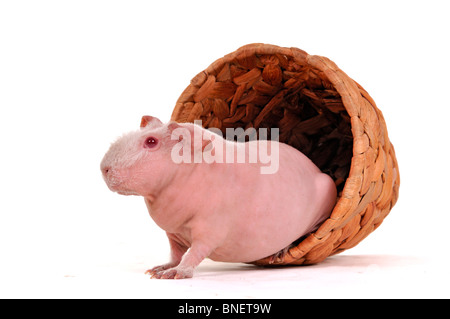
(157, 269)
(172, 273)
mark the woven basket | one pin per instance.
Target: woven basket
(320, 111)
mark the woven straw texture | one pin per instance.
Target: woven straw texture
(320, 111)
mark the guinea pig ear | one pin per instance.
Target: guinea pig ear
(191, 135)
(179, 131)
(173, 126)
(150, 121)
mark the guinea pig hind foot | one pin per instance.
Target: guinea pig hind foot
(278, 257)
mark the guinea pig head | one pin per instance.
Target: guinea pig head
(138, 163)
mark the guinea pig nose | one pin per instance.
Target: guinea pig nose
(105, 170)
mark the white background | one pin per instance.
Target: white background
(74, 75)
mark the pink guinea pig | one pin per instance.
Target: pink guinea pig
(225, 200)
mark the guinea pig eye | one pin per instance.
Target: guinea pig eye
(151, 142)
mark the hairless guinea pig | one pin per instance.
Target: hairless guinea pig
(217, 198)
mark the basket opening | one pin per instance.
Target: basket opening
(278, 91)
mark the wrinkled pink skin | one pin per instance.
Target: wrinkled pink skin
(227, 212)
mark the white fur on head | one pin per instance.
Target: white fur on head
(128, 149)
(124, 152)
